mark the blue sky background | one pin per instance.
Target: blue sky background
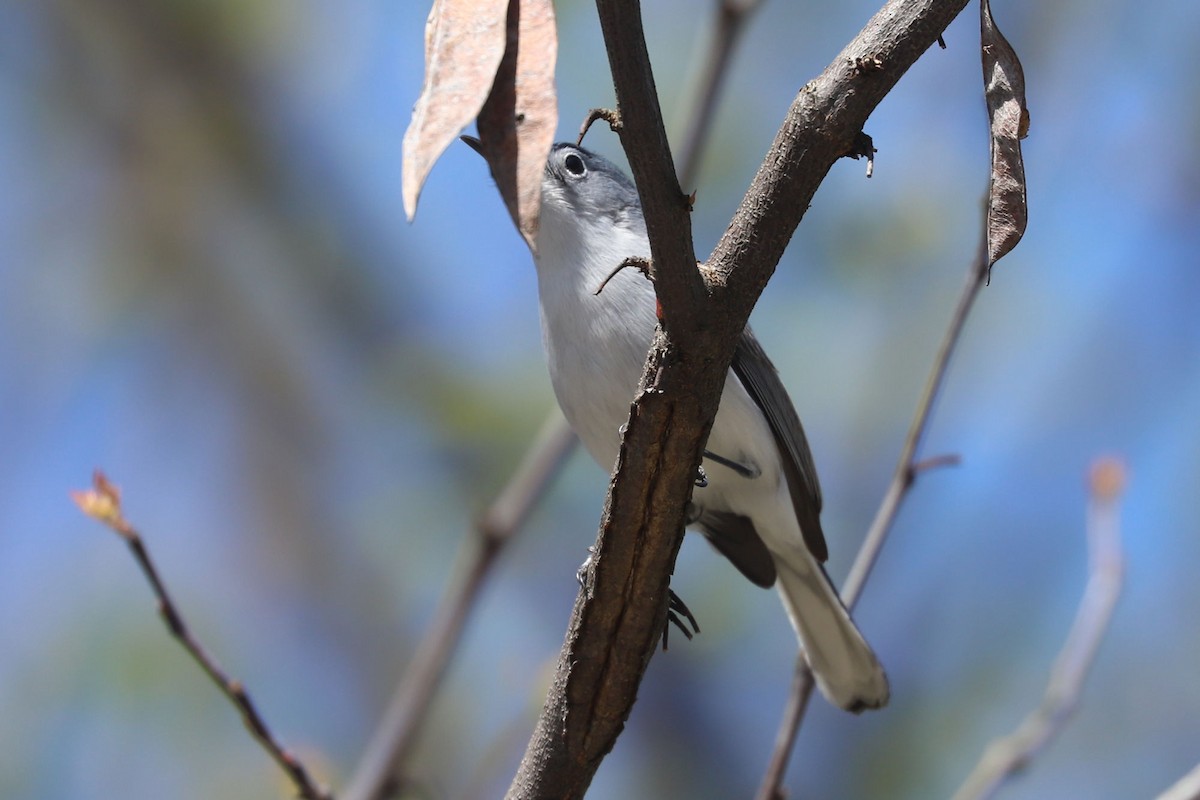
(207, 288)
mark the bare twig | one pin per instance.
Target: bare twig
(1004, 223)
(730, 22)
(1187, 788)
(907, 469)
(1106, 567)
(785, 738)
(379, 772)
(937, 462)
(103, 503)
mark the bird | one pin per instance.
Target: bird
(759, 500)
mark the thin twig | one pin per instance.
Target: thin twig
(906, 472)
(1106, 568)
(379, 772)
(937, 462)
(785, 738)
(103, 503)
(731, 18)
(1186, 788)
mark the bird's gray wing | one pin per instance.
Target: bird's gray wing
(761, 381)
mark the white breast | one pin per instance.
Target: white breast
(595, 344)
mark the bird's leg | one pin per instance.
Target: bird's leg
(642, 265)
(677, 610)
(750, 471)
(675, 606)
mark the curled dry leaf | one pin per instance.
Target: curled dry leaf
(464, 44)
(1004, 90)
(516, 124)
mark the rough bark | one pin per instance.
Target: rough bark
(619, 616)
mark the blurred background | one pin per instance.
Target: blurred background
(207, 288)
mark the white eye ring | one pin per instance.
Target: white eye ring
(573, 163)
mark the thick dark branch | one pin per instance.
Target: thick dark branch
(619, 616)
(644, 137)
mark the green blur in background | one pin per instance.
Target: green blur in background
(208, 290)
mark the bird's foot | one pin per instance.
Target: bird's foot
(675, 608)
(581, 573)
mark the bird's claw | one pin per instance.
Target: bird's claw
(581, 573)
(677, 612)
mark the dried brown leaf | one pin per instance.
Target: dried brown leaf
(1004, 90)
(464, 44)
(516, 125)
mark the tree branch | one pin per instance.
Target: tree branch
(730, 23)
(1106, 568)
(103, 503)
(618, 617)
(644, 137)
(907, 469)
(379, 770)
(379, 773)
(820, 127)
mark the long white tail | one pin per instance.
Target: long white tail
(846, 669)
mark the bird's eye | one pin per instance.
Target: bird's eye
(574, 164)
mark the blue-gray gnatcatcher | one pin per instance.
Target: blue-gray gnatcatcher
(761, 505)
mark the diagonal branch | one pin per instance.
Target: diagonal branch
(103, 503)
(907, 469)
(644, 137)
(1004, 224)
(820, 127)
(618, 617)
(1106, 568)
(380, 770)
(730, 23)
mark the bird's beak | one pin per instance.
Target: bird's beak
(473, 143)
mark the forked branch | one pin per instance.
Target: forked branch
(617, 619)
